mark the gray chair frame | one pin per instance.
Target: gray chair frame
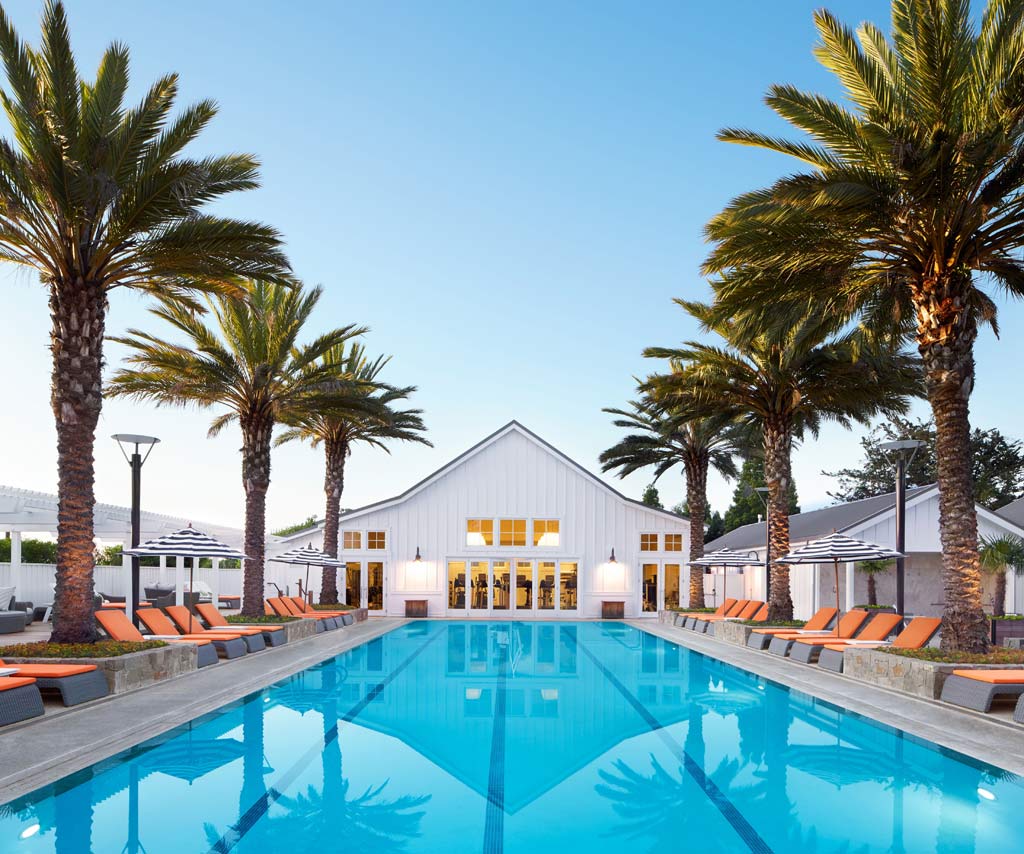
(977, 695)
(20, 704)
(1018, 713)
(79, 688)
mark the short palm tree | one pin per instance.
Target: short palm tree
(248, 361)
(376, 422)
(664, 439)
(94, 196)
(911, 196)
(998, 555)
(782, 385)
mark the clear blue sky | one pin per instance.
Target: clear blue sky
(509, 195)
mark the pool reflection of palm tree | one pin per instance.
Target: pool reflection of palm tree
(366, 820)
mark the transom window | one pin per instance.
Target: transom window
(673, 542)
(545, 532)
(479, 532)
(375, 540)
(351, 539)
(648, 542)
(512, 532)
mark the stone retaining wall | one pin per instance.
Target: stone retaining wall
(910, 675)
(731, 631)
(135, 670)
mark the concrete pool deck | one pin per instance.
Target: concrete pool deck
(42, 750)
(991, 738)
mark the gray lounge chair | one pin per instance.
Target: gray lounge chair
(973, 693)
(1018, 713)
(19, 700)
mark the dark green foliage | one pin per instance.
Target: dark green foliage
(651, 497)
(294, 529)
(32, 551)
(747, 505)
(995, 655)
(99, 649)
(997, 464)
(261, 618)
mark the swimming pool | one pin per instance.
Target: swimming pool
(524, 737)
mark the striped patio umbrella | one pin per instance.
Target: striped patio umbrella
(190, 543)
(308, 556)
(725, 558)
(838, 547)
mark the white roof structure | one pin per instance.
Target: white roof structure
(25, 511)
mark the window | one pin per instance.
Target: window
(567, 573)
(671, 586)
(479, 532)
(545, 532)
(352, 539)
(375, 539)
(456, 584)
(512, 532)
(673, 542)
(648, 542)
(375, 586)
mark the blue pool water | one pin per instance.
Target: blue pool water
(525, 737)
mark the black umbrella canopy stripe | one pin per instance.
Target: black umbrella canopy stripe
(308, 556)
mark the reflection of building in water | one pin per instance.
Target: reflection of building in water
(511, 528)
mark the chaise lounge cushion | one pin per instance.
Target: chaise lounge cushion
(50, 671)
(994, 677)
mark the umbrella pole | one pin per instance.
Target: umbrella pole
(305, 593)
(835, 564)
(192, 586)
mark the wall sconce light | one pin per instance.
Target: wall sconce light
(612, 558)
(418, 559)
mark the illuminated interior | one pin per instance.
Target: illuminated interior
(456, 584)
(478, 572)
(524, 584)
(512, 532)
(351, 540)
(545, 532)
(479, 532)
(375, 585)
(546, 585)
(671, 584)
(502, 585)
(650, 585)
(353, 584)
(648, 542)
(568, 572)
(375, 540)
(673, 542)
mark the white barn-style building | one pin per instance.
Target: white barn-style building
(513, 528)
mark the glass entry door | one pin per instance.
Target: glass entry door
(364, 585)
(659, 585)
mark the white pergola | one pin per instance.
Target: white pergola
(24, 511)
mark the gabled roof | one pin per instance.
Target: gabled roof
(511, 427)
(817, 523)
(1013, 512)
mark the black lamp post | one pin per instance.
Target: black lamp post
(135, 461)
(762, 493)
(902, 453)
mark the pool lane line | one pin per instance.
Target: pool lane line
(744, 829)
(494, 818)
(262, 804)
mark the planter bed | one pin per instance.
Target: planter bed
(136, 669)
(900, 673)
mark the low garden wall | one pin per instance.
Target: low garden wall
(136, 669)
(910, 675)
(731, 631)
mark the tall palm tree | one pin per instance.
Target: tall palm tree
(912, 186)
(999, 555)
(666, 439)
(94, 196)
(250, 362)
(376, 422)
(782, 385)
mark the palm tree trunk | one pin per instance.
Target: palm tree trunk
(256, 436)
(999, 598)
(945, 337)
(335, 451)
(77, 311)
(872, 589)
(778, 447)
(697, 501)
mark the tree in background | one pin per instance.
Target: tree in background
(871, 568)
(651, 497)
(96, 196)
(998, 554)
(249, 364)
(664, 439)
(374, 419)
(747, 505)
(997, 463)
(32, 551)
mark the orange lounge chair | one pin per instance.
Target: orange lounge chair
(822, 619)
(976, 689)
(700, 622)
(918, 632)
(228, 646)
(19, 699)
(747, 612)
(284, 607)
(341, 616)
(185, 622)
(806, 649)
(118, 627)
(720, 611)
(77, 683)
(273, 635)
(850, 623)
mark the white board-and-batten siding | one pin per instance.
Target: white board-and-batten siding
(511, 475)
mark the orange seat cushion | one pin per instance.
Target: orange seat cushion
(52, 671)
(994, 677)
(9, 682)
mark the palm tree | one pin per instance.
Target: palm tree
(248, 361)
(999, 554)
(871, 568)
(666, 439)
(782, 384)
(375, 423)
(912, 186)
(94, 196)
